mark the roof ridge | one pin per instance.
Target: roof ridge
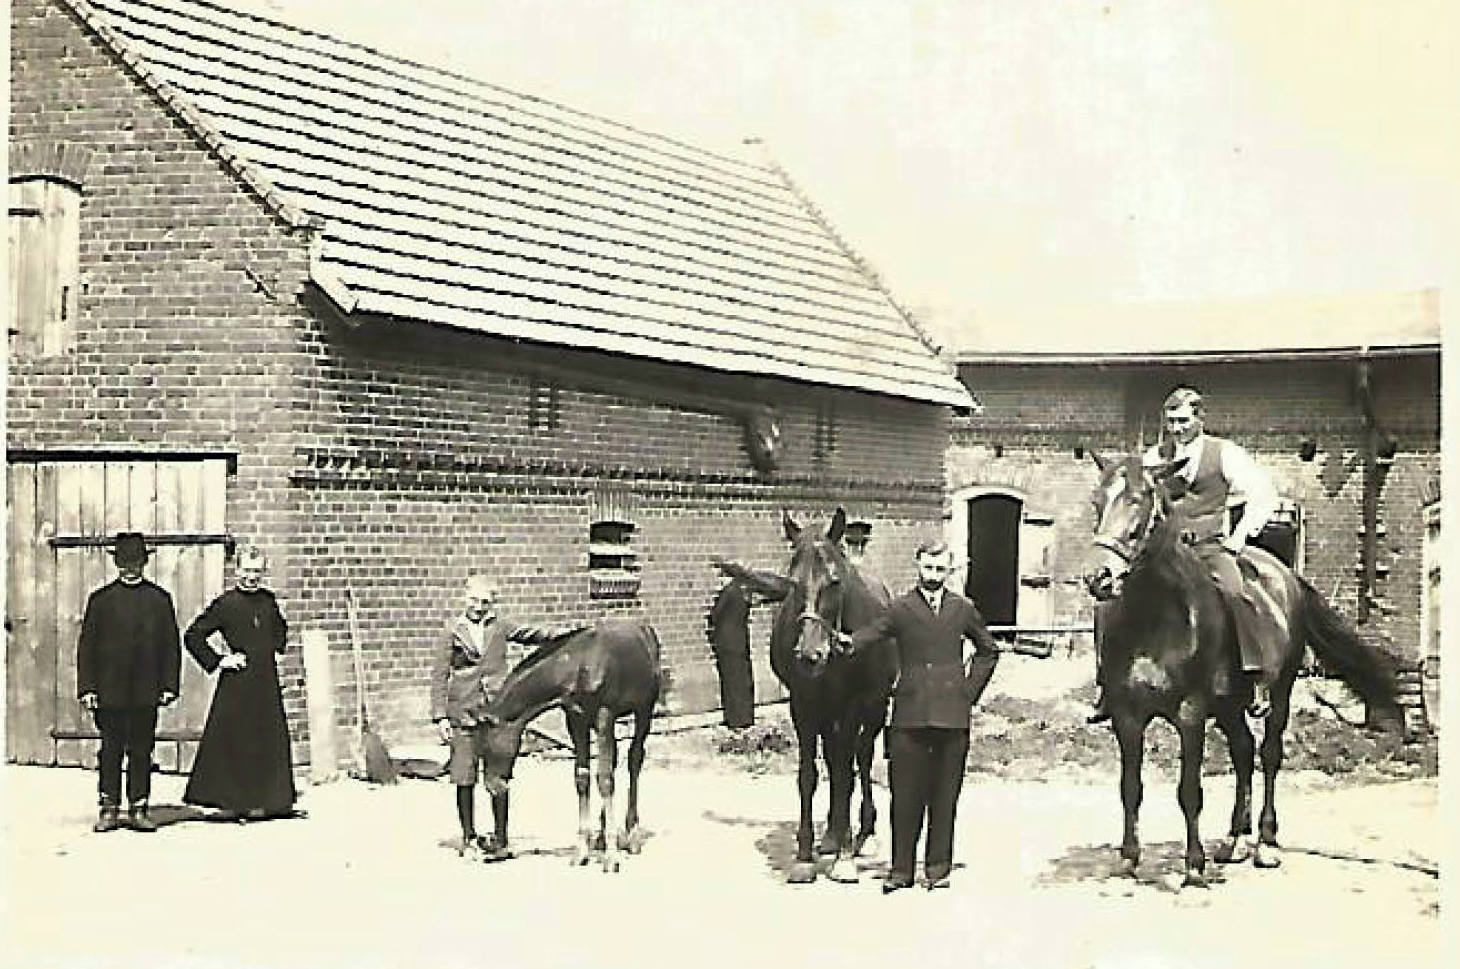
(255, 181)
(863, 266)
(469, 79)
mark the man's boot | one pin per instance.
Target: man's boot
(1099, 714)
(139, 821)
(108, 820)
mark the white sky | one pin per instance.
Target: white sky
(987, 155)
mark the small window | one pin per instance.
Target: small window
(613, 563)
(45, 269)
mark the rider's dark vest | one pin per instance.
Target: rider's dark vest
(1201, 507)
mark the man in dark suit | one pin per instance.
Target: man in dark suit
(127, 665)
(938, 683)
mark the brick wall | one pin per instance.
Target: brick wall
(178, 348)
(1036, 417)
(392, 458)
(423, 462)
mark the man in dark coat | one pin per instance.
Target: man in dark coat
(127, 665)
(937, 685)
(728, 628)
(243, 764)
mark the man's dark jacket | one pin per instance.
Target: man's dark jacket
(129, 653)
(932, 688)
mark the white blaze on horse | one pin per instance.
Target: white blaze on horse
(597, 676)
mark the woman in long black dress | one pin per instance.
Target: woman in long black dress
(243, 762)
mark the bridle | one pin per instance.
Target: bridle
(1128, 547)
(833, 630)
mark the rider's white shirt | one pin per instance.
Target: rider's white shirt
(1246, 482)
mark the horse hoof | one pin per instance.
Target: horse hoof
(610, 865)
(843, 870)
(1233, 851)
(868, 847)
(580, 859)
(1194, 879)
(1267, 856)
(1127, 868)
(632, 842)
(802, 873)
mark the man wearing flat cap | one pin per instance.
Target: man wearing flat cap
(127, 665)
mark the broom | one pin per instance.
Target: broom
(379, 768)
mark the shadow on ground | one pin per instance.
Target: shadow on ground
(1162, 867)
(777, 845)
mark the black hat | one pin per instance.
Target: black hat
(857, 533)
(130, 549)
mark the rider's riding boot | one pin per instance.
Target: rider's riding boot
(1099, 714)
(1261, 704)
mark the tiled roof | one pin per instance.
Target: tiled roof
(452, 201)
(1347, 325)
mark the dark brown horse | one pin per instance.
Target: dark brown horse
(1166, 650)
(597, 675)
(837, 698)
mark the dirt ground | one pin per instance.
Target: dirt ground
(370, 876)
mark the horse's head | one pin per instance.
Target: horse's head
(818, 576)
(498, 744)
(1129, 501)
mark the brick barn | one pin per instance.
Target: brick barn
(1337, 398)
(394, 325)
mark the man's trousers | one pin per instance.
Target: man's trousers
(925, 771)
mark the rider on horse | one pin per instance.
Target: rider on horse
(1208, 471)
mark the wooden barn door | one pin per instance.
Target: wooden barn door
(61, 517)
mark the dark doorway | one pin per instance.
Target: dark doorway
(993, 557)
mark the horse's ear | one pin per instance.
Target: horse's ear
(793, 530)
(838, 526)
(1100, 460)
(1168, 468)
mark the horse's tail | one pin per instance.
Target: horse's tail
(1365, 669)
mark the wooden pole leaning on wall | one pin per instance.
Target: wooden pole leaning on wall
(319, 697)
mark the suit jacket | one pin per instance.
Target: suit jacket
(464, 677)
(128, 653)
(933, 689)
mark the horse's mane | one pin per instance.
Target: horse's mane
(543, 652)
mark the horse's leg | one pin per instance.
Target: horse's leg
(578, 730)
(1236, 848)
(632, 836)
(839, 755)
(865, 842)
(1192, 728)
(836, 751)
(804, 868)
(1130, 735)
(1268, 854)
(611, 833)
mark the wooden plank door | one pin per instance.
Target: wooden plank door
(62, 515)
